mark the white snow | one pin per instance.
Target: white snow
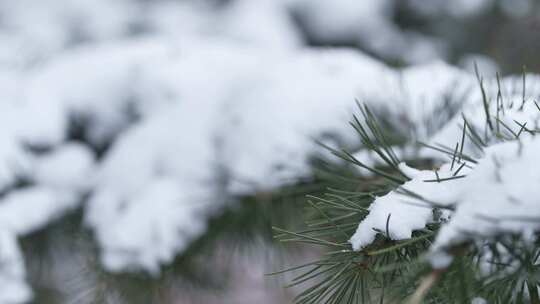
(155, 180)
(21, 212)
(60, 177)
(406, 217)
(29, 209)
(277, 119)
(189, 126)
(473, 110)
(499, 196)
(200, 138)
(399, 214)
(149, 229)
(68, 168)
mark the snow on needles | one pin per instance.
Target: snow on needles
(399, 214)
(498, 194)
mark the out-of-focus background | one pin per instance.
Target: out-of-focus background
(147, 147)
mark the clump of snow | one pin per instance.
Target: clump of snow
(147, 232)
(58, 178)
(399, 213)
(516, 108)
(277, 118)
(22, 212)
(493, 199)
(488, 199)
(148, 159)
(26, 210)
(68, 168)
(92, 94)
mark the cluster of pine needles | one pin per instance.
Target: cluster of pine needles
(389, 271)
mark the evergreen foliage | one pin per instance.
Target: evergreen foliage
(500, 269)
